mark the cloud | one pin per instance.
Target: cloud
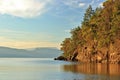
(25, 35)
(22, 40)
(68, 31)
(92, 2)
(26, 44)
(74, 3)
(23, 8)
(101, 5)
(81, 4)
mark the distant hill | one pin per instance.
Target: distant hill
(6, 52)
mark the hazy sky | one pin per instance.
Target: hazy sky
(40, 23)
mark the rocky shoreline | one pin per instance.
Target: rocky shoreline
(97, 40)
(85, 56)
(61, 58)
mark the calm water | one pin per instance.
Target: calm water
(48, 69)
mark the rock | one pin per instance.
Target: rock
(60, 58)
(73, 58)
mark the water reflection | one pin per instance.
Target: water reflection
(48, 69)
(95, 71)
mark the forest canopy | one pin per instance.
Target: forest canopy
(98, 35)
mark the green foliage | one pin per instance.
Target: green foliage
(87, 16)
(100, 27)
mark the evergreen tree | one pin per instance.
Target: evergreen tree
(88, 14)
(100, 29)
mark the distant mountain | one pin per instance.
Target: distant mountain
(6, 52)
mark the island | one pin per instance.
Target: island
(97, 40)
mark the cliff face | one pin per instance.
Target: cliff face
(101, 55)
(98, 38)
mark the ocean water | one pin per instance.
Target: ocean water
(49, 69)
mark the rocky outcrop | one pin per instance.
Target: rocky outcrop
(97, 40)
(60, 58)
(109, 54)
(92, 54)
(102, 55)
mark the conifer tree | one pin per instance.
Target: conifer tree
(88, 14)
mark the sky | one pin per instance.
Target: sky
(40, 23)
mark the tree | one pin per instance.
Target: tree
(100, 30)
(88, 14)
(66, 47)
(75, 37)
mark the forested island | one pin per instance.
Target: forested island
(97, 40)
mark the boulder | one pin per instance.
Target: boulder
(60, 58)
